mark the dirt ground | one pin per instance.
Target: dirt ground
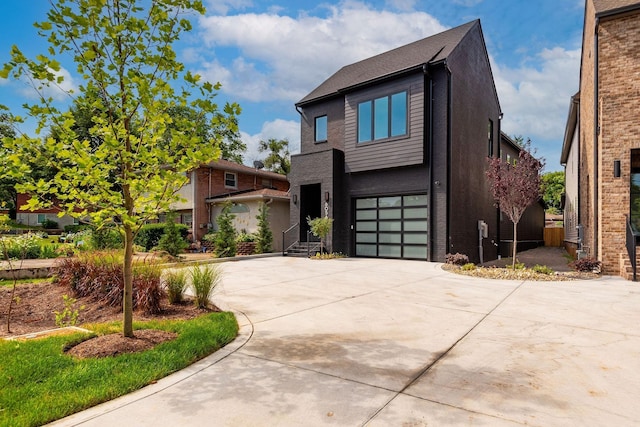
(34, 311)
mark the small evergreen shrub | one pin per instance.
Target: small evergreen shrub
(542, 269)
(49, 224)
(587, 265)
(225, 240)
(106, 238)
(469, 266)
(456, 259)
(175, 283)
(204, 280)
(150, 234)
(264, 235)
(172, 240)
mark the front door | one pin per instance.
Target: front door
(310, 207)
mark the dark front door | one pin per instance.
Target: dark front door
(310, 207)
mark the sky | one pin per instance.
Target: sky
(269, 55)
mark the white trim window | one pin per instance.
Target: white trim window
(230, 180)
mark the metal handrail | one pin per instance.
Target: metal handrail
(284, 234)
(631, 246)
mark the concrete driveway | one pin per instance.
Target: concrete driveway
(355, 342)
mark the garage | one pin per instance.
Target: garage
(392, 226)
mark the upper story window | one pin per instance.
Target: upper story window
(383, 118)
(321, 129)
(267, 183)
(230, 180)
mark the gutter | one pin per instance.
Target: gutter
(449, 128)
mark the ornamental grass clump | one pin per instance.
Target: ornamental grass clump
(204, 280)
(175, 283)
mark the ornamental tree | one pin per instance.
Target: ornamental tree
(135, 157)
(515, 186)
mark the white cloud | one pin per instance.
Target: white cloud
(284, 58)
(59, 92)
(278, 129)
(535, 100)
(405, 5)
(224, 6)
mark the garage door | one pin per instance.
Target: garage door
(392, 227)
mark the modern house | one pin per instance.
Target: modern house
(212, 185)
(394, 149)
(601, 148)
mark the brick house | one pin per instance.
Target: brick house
(36, 218)
(602, 140)
(245, 187)
(394, 149)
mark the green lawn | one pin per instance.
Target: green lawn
(39, 383)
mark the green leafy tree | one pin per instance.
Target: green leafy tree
(278, 158)
(172, 241)
(552, 191)
(124, 172)
(320, 227)
(265, 236)
(225, 240)
(8, 194)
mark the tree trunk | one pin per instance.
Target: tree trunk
(515, 244)
(127, 302)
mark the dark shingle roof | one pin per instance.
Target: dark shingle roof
(611, 7)
(431, 49)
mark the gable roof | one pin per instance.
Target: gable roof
(432, 49)
(614, 7)
(265, 193)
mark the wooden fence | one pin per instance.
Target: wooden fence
(554, 236)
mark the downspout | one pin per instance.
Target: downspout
(449, 114)
(429, 133)
(596, 132)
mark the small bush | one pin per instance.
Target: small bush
(106, 238)
(49, 251)
(587, 265)
(49, 224)
(264, 235)
(542, 269)
(175, 282)
(225, 241)
(328, 255)
(457, 259)
(245, 237)
(25, 246)
(74, 228)
(204, 280)
(100, 276)
(469, 266)
(69, 315)
(517, 266)
(172, 240)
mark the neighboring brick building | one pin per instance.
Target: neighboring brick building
(604, 135)
(35, 218)
(246, 187)
(394, 149)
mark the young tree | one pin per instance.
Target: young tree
(320, 227)
(225, 240)
(265, 236)
(8, 195)
(125, 172)
(279, 159)
(515, 187)
(552, 190)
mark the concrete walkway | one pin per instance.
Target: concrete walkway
(355, 342)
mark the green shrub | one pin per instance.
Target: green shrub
(172, 240)
(25, 246)
(225, 240)
(264, 235)
(175, 283)
(69, 315)
(245, 237)
(106, 238)
(542, 269)
(204, 280)
(150, 234)
(518, 266)
(49, 224)
(49, 251)
(469, 266)
(74, 228)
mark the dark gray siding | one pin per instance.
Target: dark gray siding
(334, 110)
(473, 104)
(391, 153)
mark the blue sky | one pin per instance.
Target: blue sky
(268, 55)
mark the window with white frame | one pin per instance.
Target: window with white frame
(230, 180)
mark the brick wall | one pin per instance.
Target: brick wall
(619, 106)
